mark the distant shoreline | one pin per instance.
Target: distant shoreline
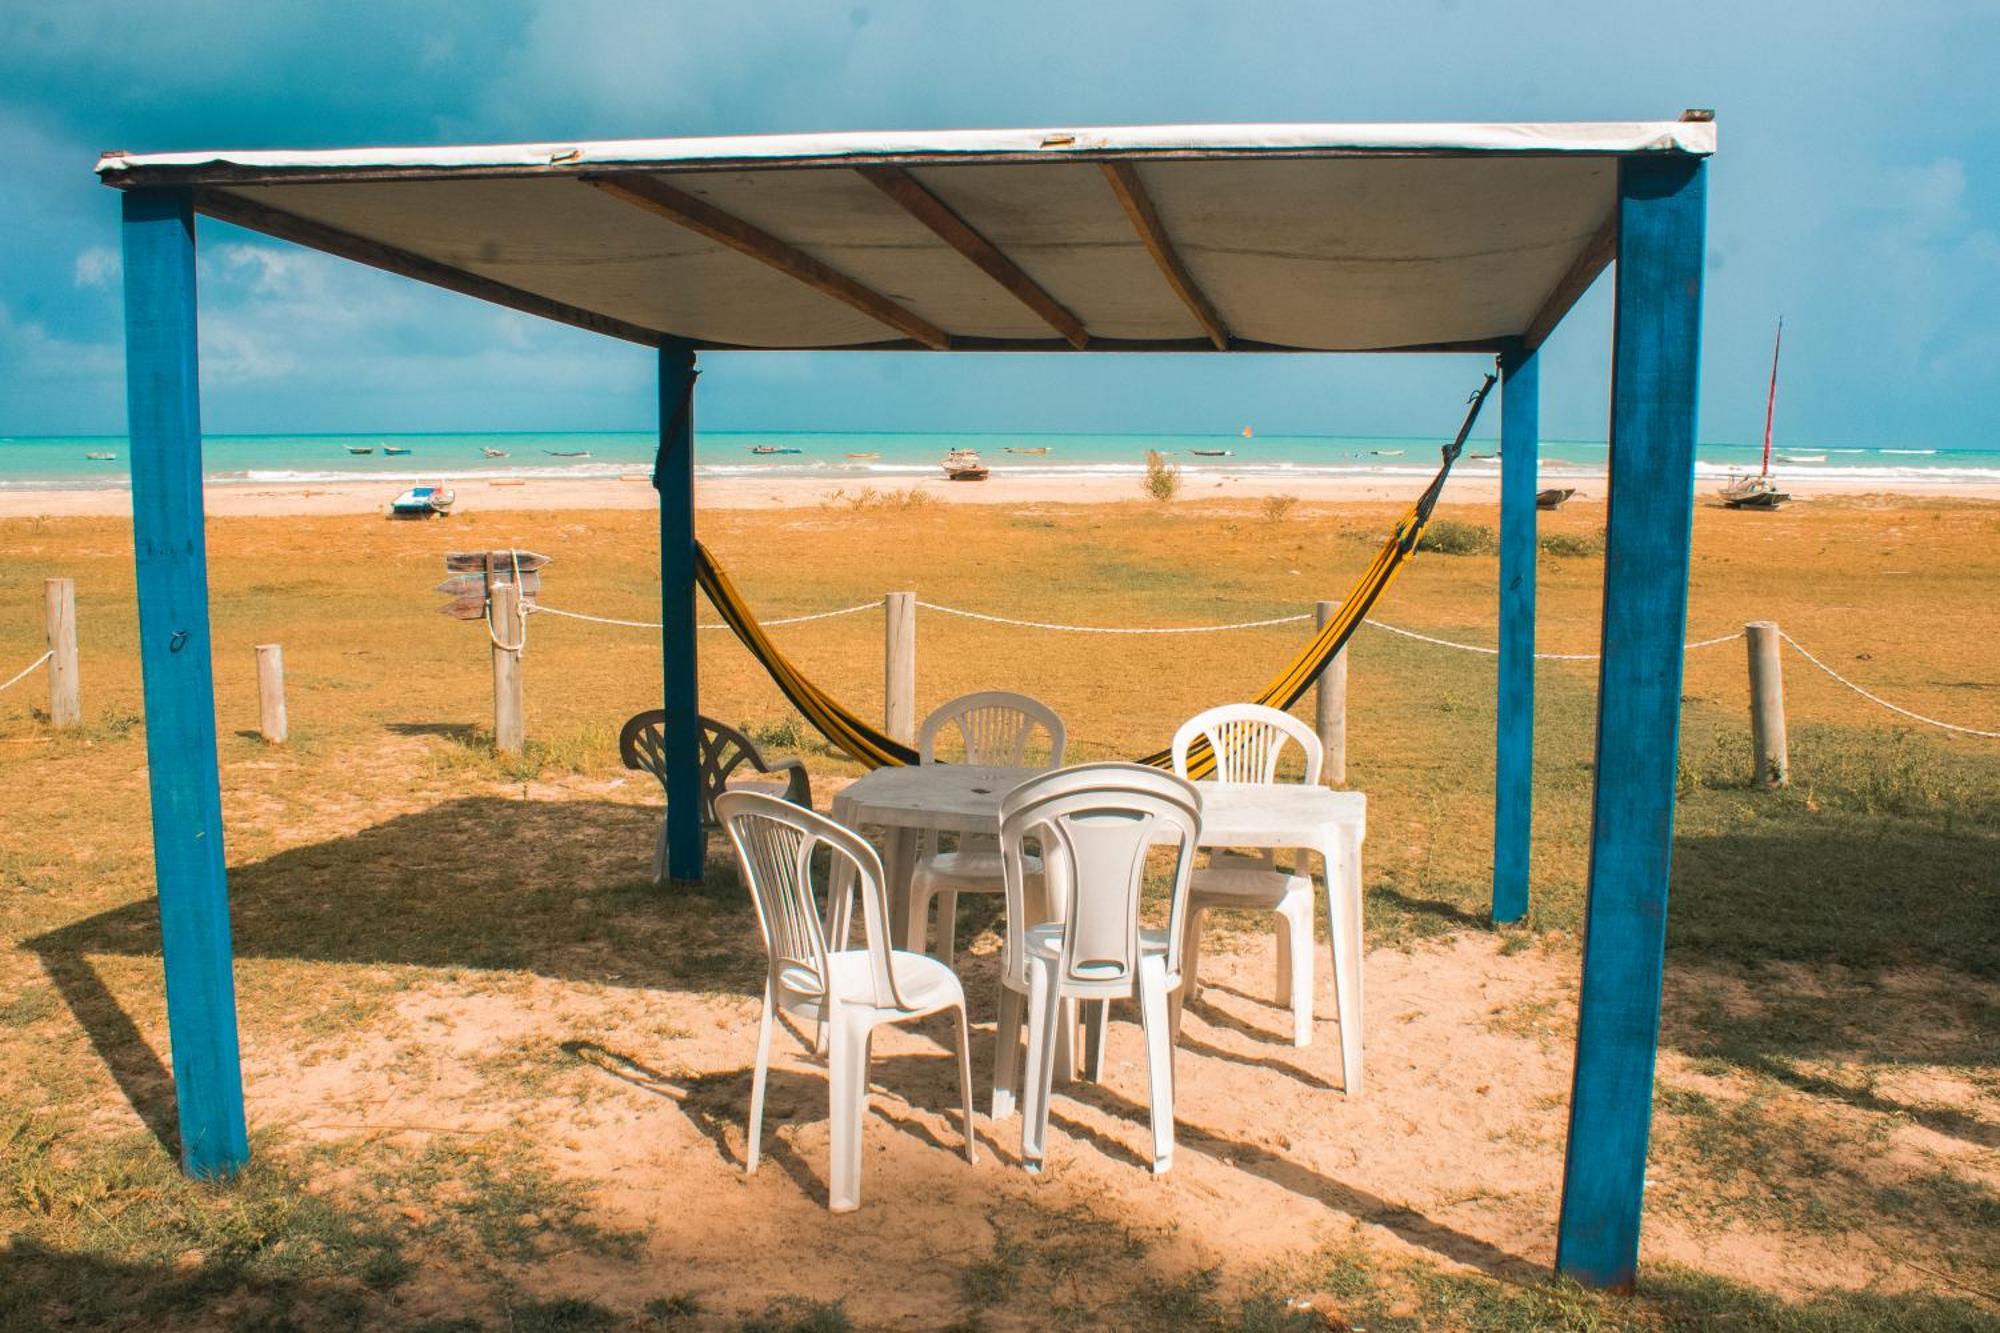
(633, 491)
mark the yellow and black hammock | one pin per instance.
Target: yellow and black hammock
(870, 746)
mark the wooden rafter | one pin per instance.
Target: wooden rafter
(234, 208)
(699, 216)
(961, 236)
(1573, 284)
(1131, 192)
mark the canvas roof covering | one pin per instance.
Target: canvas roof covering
(1242, 238)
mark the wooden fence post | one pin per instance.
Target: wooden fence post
(271, 693)
(509, 727)
(899, 665)
(65, 693)
(1767, 704)
(1330, 707)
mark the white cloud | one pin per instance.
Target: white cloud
(98, 266)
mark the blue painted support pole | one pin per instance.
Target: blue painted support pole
(1656, 344)
(1514, 737)
(163, 410)
(673, 477)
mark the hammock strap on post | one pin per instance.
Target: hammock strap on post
(874, 748)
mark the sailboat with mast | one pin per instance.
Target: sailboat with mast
(1760, 492)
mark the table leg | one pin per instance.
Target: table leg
(1340, 859)
(899, 863)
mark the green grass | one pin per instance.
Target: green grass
(1450, 536)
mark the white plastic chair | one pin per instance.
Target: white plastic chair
(993, 728)
(1249, 742)
(1095, 824)
(847, 991)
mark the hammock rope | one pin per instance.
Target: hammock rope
(872, 747)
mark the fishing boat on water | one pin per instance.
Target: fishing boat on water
(567, 453)
(864, 457)
(423, 502)
(773, 449)
(360, 448)
(964, 465)
(395, 448)
(491, 452)
(1038, 450)
(99, 456)
(1213, 453)
(1760, 492)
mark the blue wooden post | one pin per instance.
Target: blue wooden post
(1656, 344)
(163, 409)
(1514, 739)
(673, 477)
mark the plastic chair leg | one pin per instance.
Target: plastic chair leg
(1295, 970)
(847, 1088)
(915, 920)
(1007, 1052)
(1159, 1058)
(758, 1078)
(965, 1084)
(1045, 1006)
(947, 925)
(660, 856)
(1097, 1021)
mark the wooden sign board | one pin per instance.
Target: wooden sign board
(469, 562)
(471, 571)
(474, 585)
(465, 608)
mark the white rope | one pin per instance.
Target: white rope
(29, 669)
(540, 610)
(1877, 699)
(520, 607)
(1540, 657)
(1114, 629)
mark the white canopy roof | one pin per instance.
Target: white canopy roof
(1247, 237)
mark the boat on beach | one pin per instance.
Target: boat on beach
(965, 465)
(423, 502)
(1743, 491)
(1554, 498)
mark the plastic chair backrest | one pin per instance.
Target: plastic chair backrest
(774, 842)
(996, 728)
(1248, 741)
(642, 745)
(1095, 824)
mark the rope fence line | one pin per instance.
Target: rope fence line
(1881, 702)
(28, 670)
(1051, 626)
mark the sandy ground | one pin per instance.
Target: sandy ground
(634, 492)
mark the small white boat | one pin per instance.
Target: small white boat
(1386, 453)
(423, 502)
(360, 448)
(395, 448)
(567, 453)
(773, 449)
(965, 465)
(99, 456)
(492, 453)
(1213, 453)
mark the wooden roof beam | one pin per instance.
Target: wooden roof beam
(960, 235)
(705, 219)
(1593, 259)
(1131, 192)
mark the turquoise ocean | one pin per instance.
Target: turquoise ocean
(64, 462)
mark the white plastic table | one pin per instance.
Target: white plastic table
(965, 798)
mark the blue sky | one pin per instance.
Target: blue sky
(1856, 193)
